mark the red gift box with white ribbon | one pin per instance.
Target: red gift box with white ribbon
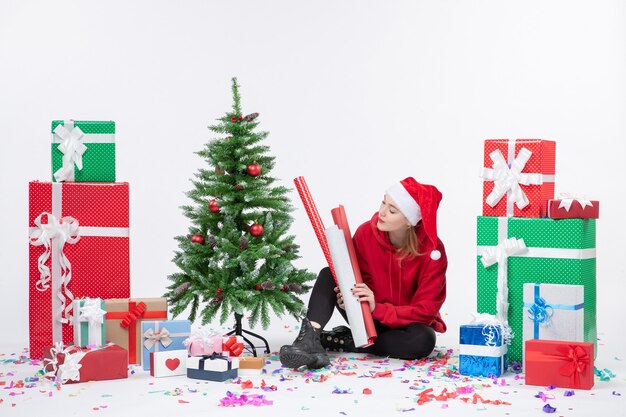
(560, 363)
(572, 207)
(79, 247)
(73, 364)
(518, 177)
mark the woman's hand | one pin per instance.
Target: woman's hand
(340, 299)
(363, 293)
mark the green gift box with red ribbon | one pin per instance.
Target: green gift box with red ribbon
(123, 322)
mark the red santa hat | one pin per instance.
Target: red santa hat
(418, 202)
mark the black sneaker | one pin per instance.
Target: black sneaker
(338, 339)
(306, 350)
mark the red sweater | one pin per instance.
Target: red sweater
(411, 291)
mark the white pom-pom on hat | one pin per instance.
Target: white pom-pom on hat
(435, 255)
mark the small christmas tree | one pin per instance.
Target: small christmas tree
(238, 255)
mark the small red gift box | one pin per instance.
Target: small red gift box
(75, 364)
(78, 248)
(518, 177)
(573, 208)
(559, 363)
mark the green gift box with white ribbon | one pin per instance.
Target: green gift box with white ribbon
(549, 252)
(83, 151)
(89, 322)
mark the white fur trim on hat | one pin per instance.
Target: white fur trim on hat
(405, 203)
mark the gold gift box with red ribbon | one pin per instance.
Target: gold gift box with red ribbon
(124, 317)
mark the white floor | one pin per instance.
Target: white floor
(316, 393)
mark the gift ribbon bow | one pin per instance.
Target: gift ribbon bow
(567, 200)
(214, 356)
(161, 336)
(134, 314)
(577, 360)
(231, 345)
(69, 370)
(493, 329)
(540, 312)
(509, 178)
(499, 254)
(91, 312)
(72, 147)
(64, 231)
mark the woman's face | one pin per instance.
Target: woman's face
(390, 218)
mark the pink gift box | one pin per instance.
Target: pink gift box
(205, 345)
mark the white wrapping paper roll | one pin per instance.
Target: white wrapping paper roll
(346, 279)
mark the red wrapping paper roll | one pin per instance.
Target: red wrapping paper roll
(316, 221)
(340, 219)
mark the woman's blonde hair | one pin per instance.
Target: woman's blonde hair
(410, 248)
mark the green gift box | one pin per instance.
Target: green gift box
(557, 252)
(83, 151)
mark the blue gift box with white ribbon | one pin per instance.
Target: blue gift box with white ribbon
(482, 351)
(162, 335)
(554, 312)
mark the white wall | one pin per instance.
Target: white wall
(355, 95)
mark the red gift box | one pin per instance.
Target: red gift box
(110, 362)
(559, 363)
(518, 177)
(573, 208)
(79, 247)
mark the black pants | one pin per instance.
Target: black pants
(411, 342)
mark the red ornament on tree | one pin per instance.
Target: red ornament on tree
(256, 230)
(258, 287)
(233, 119)
(213, 206)
(240, 117)
(197, 238)
(239, 187)
(219, 290)
(254, 169)
(285, 288)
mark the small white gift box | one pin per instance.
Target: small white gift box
(554, 312)
(168, 363)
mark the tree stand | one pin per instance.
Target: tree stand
(239, 330)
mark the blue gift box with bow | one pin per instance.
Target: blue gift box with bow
(162, 335)
(554, 312)
(482, 351)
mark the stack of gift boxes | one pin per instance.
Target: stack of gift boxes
(536, 269)
(82, 320)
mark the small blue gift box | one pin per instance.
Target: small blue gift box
(482, 351)
(162, 335)
(214, 367)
